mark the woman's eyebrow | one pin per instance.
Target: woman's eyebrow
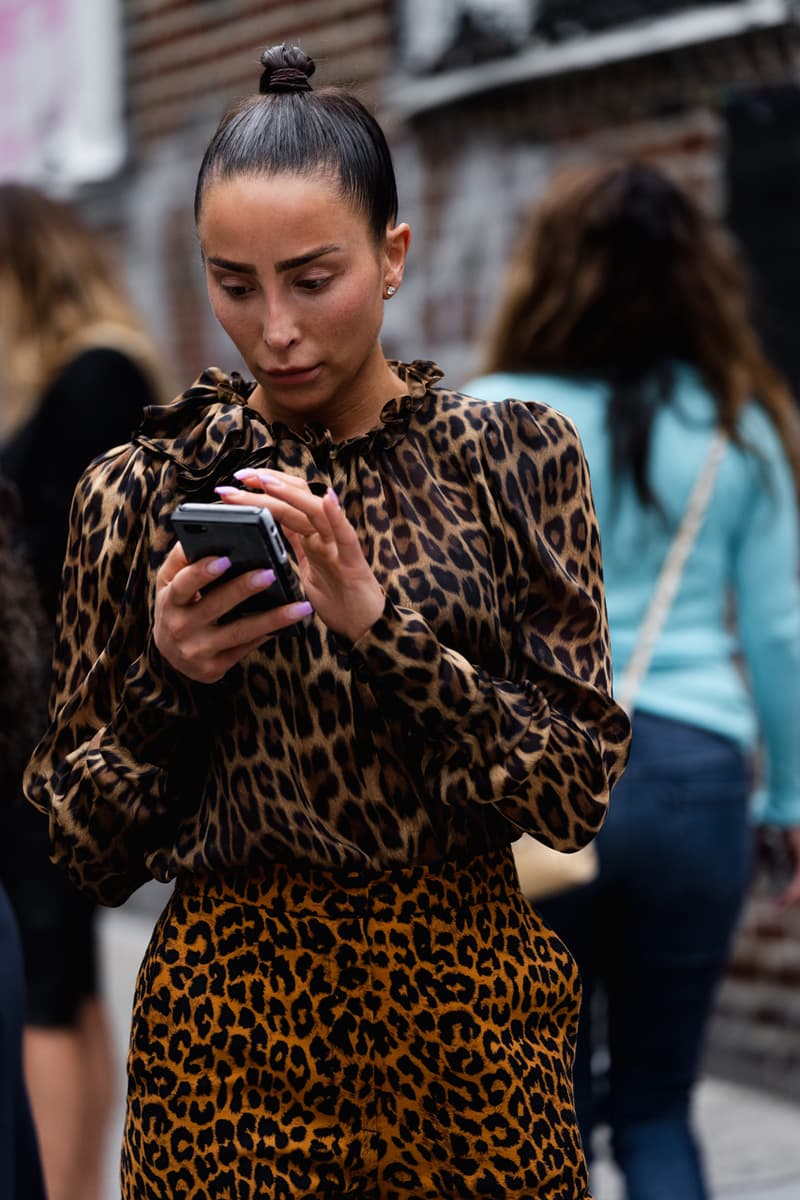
(288, 264)
(229, 265)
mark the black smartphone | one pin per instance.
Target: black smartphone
(250, 538)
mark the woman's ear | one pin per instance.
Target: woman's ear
(398, 239)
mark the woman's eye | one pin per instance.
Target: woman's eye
(314, 284)
(235, 290)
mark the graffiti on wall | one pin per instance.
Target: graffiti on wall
(61, 73)
(459, 247)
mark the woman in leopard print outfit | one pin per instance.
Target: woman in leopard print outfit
(347, 994)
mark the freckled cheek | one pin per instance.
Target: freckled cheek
(222, 312)
(233, 322)
(355, 311)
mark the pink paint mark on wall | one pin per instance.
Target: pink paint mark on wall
(12, 148)
(15, 19)
(51, 12)
(9, 29)
(32, 32)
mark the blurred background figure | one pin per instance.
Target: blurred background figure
(21, 715)
(626, 308)
(75, 372)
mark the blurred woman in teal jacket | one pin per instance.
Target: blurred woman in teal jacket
(626, 308)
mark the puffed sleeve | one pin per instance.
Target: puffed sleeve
(546, 744)
(112, 768)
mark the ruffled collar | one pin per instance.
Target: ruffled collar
(209, 431)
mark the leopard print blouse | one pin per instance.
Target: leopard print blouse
(477, 706)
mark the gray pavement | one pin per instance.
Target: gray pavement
(751, 1139)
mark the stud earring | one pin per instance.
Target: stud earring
(390, 291)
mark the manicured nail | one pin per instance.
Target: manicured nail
(219, 566)
(262, 579)
(245, 471)
(301, 609)
(225, 491)
(333, 496)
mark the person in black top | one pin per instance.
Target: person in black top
(77, 373)
(21, 708)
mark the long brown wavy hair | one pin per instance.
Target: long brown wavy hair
(59, 294)
(618, 274)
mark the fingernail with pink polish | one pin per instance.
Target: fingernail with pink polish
(225, 491)
(301, 609)
(219, 566)
(333, 496)
(262, 579)
(245, 471)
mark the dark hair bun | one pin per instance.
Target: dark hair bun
(286, 69)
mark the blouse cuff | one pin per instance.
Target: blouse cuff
(404, 664)
(154, 698)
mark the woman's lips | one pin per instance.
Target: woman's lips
(295, 375)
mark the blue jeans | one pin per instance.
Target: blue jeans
(653, 932)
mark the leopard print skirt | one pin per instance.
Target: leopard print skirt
(406, 1035)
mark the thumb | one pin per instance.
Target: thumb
(175, 561)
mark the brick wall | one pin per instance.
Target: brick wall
(181, 52)
(468, 171)
(464, 186)
(755, 1033)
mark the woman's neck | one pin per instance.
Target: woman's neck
(345, 417)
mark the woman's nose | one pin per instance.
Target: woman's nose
(279, 329)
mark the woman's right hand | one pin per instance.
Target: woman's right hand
(185, 626)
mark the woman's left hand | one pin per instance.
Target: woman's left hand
(790, 895)
(778, 852)
(336, 577)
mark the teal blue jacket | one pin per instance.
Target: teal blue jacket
(737, 677)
